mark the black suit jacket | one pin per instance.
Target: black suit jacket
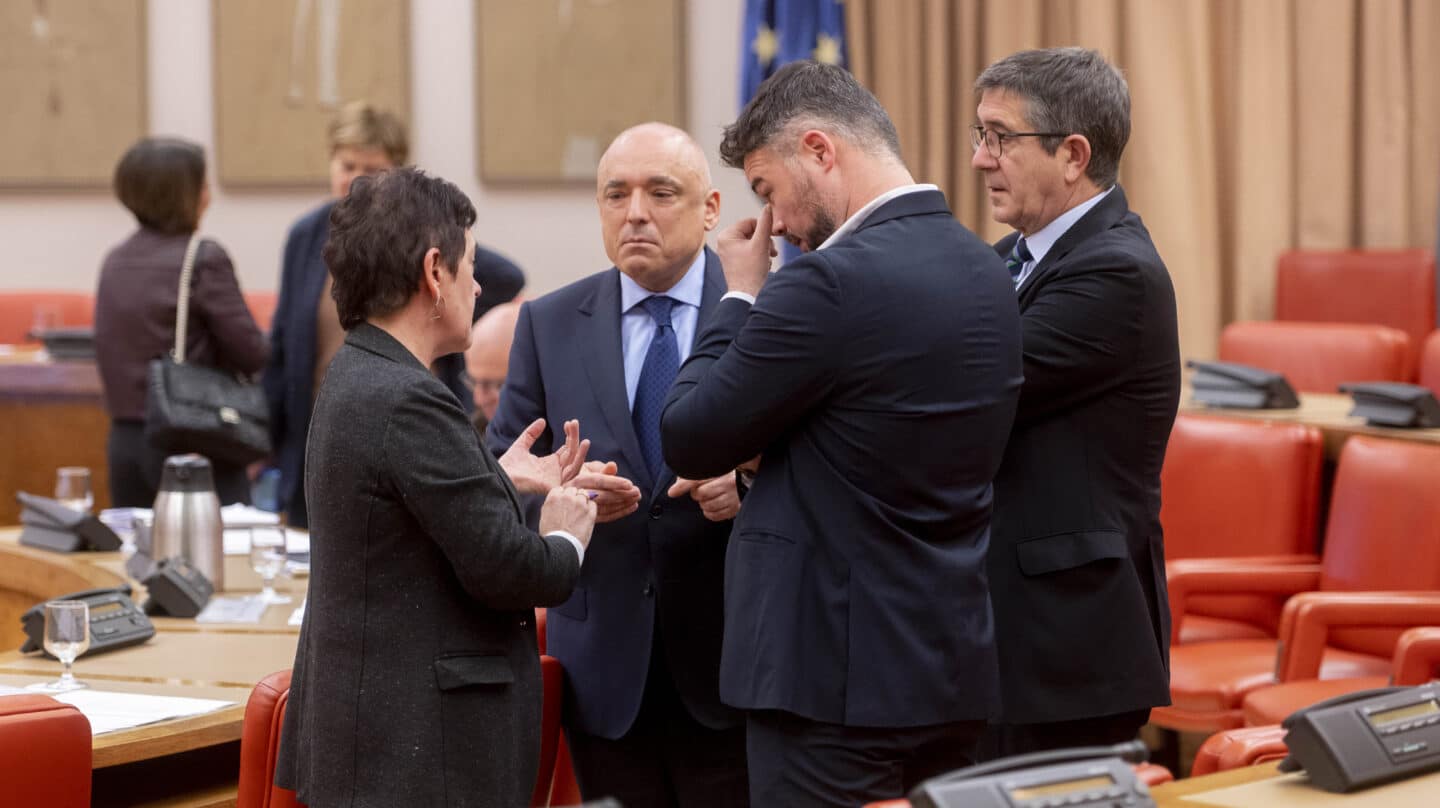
(664, 562)
(878, 377)
(416, 679)
(1077, 565)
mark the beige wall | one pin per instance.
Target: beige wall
(56, 240)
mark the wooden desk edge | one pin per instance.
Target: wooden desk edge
(1174, 793)
(168, 737)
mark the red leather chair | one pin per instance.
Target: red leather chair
(1318, 357)
(44, 753)
(1381, 287)
(1416, 660)
(260, 743)
(21, 311)
(1430, 363)
(1151, 774)
(1383, 534)
(1238, 748)
(262, 307)
(1234, 488)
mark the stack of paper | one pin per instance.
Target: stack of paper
(109, 711)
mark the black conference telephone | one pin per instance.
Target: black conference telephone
(1230, 384)
(47, 524)
(176, 588)
(1092, 775)
(1364, 739)
(1394, 404)
(115, 622)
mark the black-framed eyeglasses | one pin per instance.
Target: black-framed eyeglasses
(994, 142)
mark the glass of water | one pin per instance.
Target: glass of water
(267, 558)
(72, 488)
(67, 636)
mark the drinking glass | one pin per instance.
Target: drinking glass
(267, 558)
(72, 488)
(67, 635)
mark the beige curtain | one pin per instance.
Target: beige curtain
(1257, 125)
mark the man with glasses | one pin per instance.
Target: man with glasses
(1076, 561)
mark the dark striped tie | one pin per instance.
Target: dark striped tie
(1017, 259)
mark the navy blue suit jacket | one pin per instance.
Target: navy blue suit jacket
(289, 375)
(878, 377)
(1077, 559)
(664, 562)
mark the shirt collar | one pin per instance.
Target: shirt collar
(689, 289)
(1040, 242)
(858, 218)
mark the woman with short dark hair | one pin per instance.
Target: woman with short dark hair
(305, 333)
(417, 680)
(162, 182)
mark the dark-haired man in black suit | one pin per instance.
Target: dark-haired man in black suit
(876, 376)
(1077, 565)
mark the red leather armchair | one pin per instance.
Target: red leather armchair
(1238, 748)
(260, 743)
(1318, 357)
(1239, 489)
(1430, 363)
(44, 753)
(1384, 534)
(1382, 287)
(1415, 662)
(19, 310)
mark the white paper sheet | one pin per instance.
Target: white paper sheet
(244, 609)
(297, 616)
(237, 540)
(109, 711)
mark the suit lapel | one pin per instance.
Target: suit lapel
(1100, 218)
(605, 366)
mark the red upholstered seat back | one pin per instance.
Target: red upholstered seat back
(1240, 488)
(1383, 287)
(260, 743)
(1237, 748)
(1384, 528)
(1318, 357)
(1430, 363)
(44, 753)
(18, 311)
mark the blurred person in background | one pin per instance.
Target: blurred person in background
(306, 332)
(417, 678)
(487, 359)
(162, 182)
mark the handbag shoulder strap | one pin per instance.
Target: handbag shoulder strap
(182, 305)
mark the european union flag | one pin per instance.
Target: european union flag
(780, 31)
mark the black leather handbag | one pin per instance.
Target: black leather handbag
(190, 408)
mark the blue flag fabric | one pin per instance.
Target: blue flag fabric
(779, 31)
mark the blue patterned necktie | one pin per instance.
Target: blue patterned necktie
(662, 362)
(1017, 259)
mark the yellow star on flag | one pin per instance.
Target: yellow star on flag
(827, 50)
(765, 45)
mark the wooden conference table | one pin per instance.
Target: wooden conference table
(1328, 412)
(183, 762)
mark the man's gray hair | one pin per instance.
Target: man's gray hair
(812, 95)
(1072, 90)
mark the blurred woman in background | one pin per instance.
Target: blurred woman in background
(162, 182)
(306, 331)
